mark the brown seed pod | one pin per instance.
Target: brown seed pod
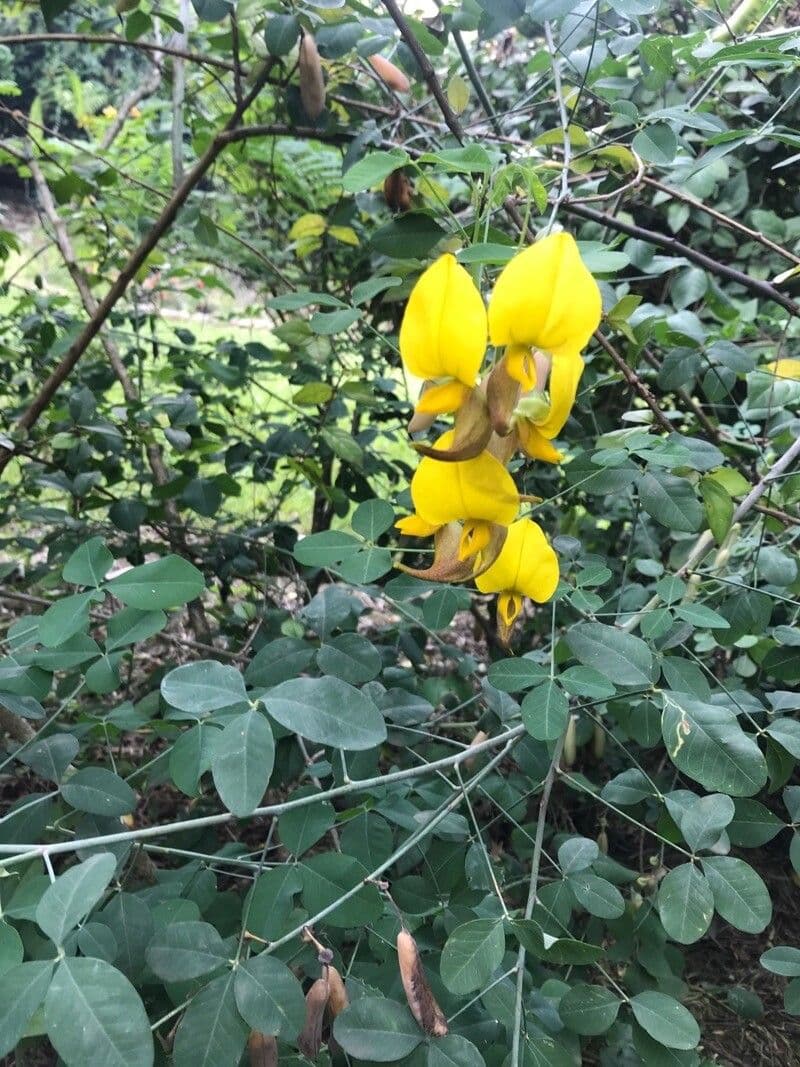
(420, 999)
(312, 83)
(389, 74)
(309, 1039)
(570, 742)
(338, 999)
(478, 739)
(397, 190)
(598, 741)
(262, 1050)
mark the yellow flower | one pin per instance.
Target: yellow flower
(478, 492)
(784, 368)
(443, 334)
(526, 566)
(545, 298)
(539, 416)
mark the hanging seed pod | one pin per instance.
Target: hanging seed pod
(262, 1050)
(312, 83)
(602, 842)
(570, 742)
(309, 1040)
(420, 999)
(598, 742)
(397, 191)
(337, 994)
(389, 74)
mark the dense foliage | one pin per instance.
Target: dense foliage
(271, 792)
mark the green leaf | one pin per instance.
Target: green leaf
(753, 824)
(326, 549)
(718, 506)
(514, 675)
(269, 997)
(471, 954)
(243, 760)
(783, 959)
(22, 990)
(685, 904)
(350, 657)
(213, 10)
(373, 518)
(11, 948)
(326, 324)
(326, 877)
(411, 236)
(88, 564)
(204, 686)
(281, 34)
(740, 896)
(328, 711)
(94, 1015)
(571, 952)
(99, 791)
(278, 661)
(545, 712)
(185, 950)
(665, 1020)
(786, 732)
(50, 756)
(453, 1051)
(373, 168)
(618, 656)
(702, 616)
(211, 1032)
(671, 501)
(130, 921)
(66, 617)
(72, 895)
(472, 159)
(589, 1010)
(791, 997)
(598, 896)
(300, 828)
(131, 625)
(577, 854)
(377, 1030)
(705, 820)
(707, 743)
(657, 144)
(169, 582)
(367, 566)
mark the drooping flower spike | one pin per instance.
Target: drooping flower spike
(443, 335)
(527, 566)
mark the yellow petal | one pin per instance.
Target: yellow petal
(535, 445)
(414, 526)
(440, 399)
(527, 564)
(545, 298)
(474, 539)
(565, 374)
(476, 489)
(443, 333)
(520, 366)
(784, 368)
(509, 605)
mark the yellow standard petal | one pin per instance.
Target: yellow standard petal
(784, 368)
(443, 398)
(414, 526)
(478, 489)
(545, 298)
(443, 333)
(526, 566)
(565, 374)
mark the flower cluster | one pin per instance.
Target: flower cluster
(542, 312)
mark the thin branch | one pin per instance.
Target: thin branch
(563, 192)
(661, 240)
(113, 39)
(635, 382)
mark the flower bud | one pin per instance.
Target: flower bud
(420, 999)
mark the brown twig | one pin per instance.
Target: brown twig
(113, 39)
(634, 381)
(671, 244)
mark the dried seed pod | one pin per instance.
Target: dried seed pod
(602, 842)
(420, 999)
(397, 191)
(478, 739)
(338, 999)
(262, 1050)
(312, 83)
(389, 74)
(309, 1040)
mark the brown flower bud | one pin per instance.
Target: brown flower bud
(262, 1050)
(420, 999)
(338, 999)
(312, 83)
(397, 190)
(389, 74)
(309, 1040)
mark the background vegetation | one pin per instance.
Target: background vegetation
(226, 717)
